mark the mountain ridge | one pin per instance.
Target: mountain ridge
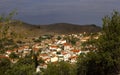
(56, 28)
(63, 28)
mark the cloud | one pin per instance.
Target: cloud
(50, 11)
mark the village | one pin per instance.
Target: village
(54, 48)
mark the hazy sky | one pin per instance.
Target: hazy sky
(57, 11)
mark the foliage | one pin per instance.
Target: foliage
(94, 63)
(89, 45)
(41, 61)
(5, 32)
(24, 66)
(60, 68)
(4, 65)
(13, 55)
(106, 60)
(58, 38)
(35, 60)
(5, 20)
(71, 40)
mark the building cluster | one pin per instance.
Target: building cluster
(55, 49)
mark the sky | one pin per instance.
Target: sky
(60, 11)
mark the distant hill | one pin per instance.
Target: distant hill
(66, 28)
(57, 28)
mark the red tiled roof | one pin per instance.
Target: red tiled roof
(35, 49)
(2, 56)
(46, 59)
(75, 51)
(44, 54)
(26, 46)
(73, 57)
(54, 46)
(20, 48)
(9, 51)
(66, 44)
(63, 52)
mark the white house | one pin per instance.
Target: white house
(59, 49)
(53, 47)
(66, 56)
(73, 59)
(67, 46)
(54, 59)
(38, 69)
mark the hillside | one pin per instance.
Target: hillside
(58, 28)
(66, 28)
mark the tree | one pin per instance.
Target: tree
(24, 66)
(5, 20)
(58, 37)
(106, 60)
(4, 25)
(35, 60)
(60, 68)
(4, 65)
(110, 41)
(13, 55)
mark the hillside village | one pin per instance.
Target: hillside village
(54, 48)
(81, 53)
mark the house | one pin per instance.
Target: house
(58, 42)
(66, 56)
(38, 69)
(67, 46)
(26, 50)
(44, 56)
(84, 39)
(43, 66)
(63, 41)
(74, 51)
(26, 47)
(54, 52)
(47, 60)
(9, 52)
(53, 47)
(59, 49)
(37, 45)
(96, 37)
(85, 51)
(54, 59)
(20, 50)
(35, 50)
(4, 56)
(60, 57)
(73, 59)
